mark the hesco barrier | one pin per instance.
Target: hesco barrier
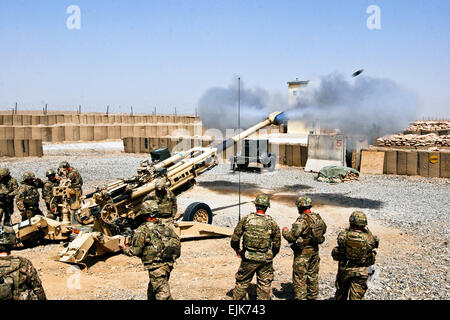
(21, 148)
(406, 162)
(288, 154)
(87, 118)
(73, 132)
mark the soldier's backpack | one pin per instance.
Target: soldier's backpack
(8, 278)
(257, 235)
(317, 228)
(357, 249)
(169, 242)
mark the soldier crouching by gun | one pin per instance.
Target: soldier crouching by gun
(66, 171)
(27, 199)
(355, 253)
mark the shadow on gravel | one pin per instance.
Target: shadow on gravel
(227, 187)
(339, 199)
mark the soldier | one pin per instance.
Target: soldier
(261, 243)
(306, 234)
(9, 192)
(47, 193)
(28, 196)
(166, 200)
(18, 278)
(158, 246)
(355, 253)
(66, 171)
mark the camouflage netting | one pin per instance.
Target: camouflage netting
(336, 174)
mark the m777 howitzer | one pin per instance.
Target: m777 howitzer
(113, 208)
(31, 231)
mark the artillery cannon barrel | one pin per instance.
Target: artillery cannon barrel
(274, 118)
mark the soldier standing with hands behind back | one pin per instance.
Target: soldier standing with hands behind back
(8, 190)
(27, 200)
(261, 243)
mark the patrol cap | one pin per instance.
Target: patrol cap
(358, 218)
(262, 200)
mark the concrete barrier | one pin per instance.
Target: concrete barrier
(325, 150)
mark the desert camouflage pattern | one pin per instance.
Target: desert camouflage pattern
(305, 269)
(27, 200)
(167, 203)
(76, 181)
(47, 195)
(261, 243)
(19, 280)
(147, 245)
(8, 190)
(351, 279)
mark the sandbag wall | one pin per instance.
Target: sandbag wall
(20, 148)
(411, 162)
(288, 154)
(92, 127)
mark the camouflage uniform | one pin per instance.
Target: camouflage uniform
(76, 181)
(351, 279)
(18, 278)
(167, 201)
(261, 243)
(9, 186)
(147, 245)
(305, 269)
(27, 200)
(47, 193)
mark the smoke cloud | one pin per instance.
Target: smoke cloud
(360, 106)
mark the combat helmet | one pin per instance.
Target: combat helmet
(7, 237)
(64, 164)
(28, 176)
(358, 218)
(304, 202)
(50, 172)
(262, 200)
(150, 208)
(4, 172)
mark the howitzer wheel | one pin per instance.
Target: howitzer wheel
(198, 212)
(109, 213)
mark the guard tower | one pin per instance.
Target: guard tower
(294, 88)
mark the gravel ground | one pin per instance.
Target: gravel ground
(417, 206)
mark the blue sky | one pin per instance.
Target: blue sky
(168, 53)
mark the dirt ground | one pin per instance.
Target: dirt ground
(206, 267)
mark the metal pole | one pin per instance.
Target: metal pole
(239, 127)
(107, 110)
(15, 110)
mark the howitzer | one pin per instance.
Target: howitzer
(113, 208)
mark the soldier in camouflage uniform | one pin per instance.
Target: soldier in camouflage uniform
(51, 202)
(355, 253)
(261, 243)
(166, 199)
(27, 200)
(9, 186)
(66, 171)
(158, 246)
(18, 278)
(305, 270)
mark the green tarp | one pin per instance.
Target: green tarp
(335, 174)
